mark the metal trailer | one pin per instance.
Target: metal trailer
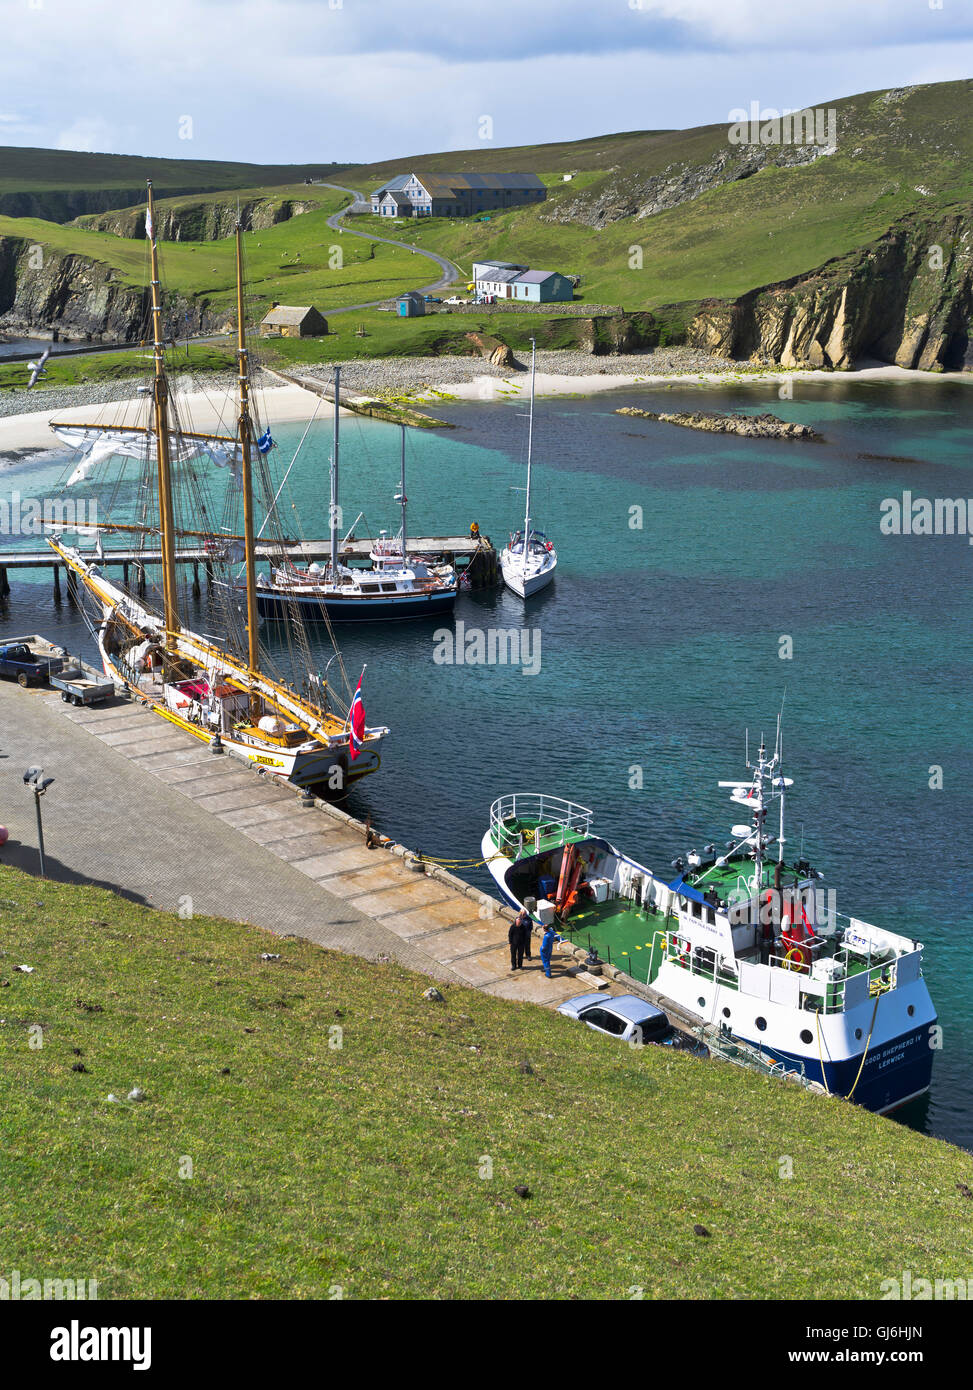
(80, 684)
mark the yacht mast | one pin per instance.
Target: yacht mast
(245, 434)
(530, 444)
(402, 498)
(334, 479)
(160, 410)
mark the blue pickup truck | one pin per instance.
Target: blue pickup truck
(29, 668)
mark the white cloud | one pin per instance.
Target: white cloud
(298, 80)
(90, 133)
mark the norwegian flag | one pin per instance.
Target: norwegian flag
(357, 717)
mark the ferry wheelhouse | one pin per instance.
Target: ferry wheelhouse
(741, 942)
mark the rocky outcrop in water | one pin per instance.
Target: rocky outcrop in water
(750, 426)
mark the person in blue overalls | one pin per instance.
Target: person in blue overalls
(547, 947)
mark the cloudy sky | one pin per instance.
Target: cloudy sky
(358, 80)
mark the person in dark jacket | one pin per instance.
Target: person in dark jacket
(531, 906)
(518, 935)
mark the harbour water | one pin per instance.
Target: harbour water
(758, 574)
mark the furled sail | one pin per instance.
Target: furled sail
(97, 443)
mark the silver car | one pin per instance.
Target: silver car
(630, 1018)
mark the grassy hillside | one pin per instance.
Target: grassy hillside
(657, 220)
(383, 1157)
(289, 262)
(60, 184)
(908, 154)
(646, 148)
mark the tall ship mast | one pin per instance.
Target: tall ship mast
(224, 690)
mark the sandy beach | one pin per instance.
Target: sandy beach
(203, 411)
(491, 388)
(424, 380)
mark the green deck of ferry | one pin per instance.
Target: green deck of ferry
(621, 934)
(620, 931)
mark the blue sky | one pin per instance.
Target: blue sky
(357, 80)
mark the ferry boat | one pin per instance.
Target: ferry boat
(396, 585)
(742, 941)
(223, 693)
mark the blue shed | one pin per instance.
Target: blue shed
(411, 304)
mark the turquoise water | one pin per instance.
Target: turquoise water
(660, 645)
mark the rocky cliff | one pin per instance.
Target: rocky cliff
(625, 194)
(906, 298)
(61, 205)
(79, 297)
(202, 220)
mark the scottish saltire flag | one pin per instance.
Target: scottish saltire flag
(149, 229)
(357, 716)
(265, 443)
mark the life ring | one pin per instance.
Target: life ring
(549, 545)
(682, 952)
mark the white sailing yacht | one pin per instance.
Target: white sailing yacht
(396, 585)
(528, 562)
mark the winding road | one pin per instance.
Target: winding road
(449, 271)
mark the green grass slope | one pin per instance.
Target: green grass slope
(291, 262)
(897, 154)
(314, 1122)
(64, 183)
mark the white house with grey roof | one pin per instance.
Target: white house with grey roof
(506, 280)
(455, 195)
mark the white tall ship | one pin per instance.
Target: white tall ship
(744, 942)
(529, 560)
(223, 690)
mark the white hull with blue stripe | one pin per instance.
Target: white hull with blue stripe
(749, 946)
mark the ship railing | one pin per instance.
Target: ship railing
(702, 961)
(730, 1049)
(555, 821)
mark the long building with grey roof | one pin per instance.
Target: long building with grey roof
(455, 195)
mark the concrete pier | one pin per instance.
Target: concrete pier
(143, 808)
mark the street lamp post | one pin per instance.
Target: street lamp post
(38, 783)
